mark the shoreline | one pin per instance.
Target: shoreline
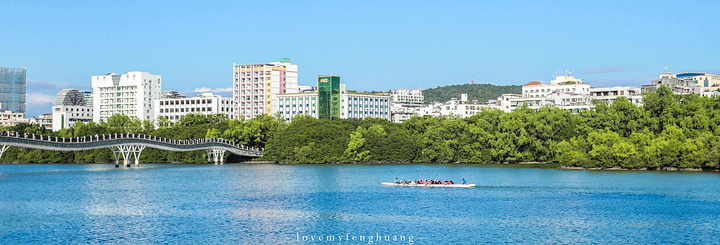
(500, 164)
(662, 169)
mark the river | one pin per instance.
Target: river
(299, 204)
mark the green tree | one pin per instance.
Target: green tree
(355, 150)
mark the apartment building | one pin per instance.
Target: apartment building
(256, 85)
(175, 107)
(132, 94)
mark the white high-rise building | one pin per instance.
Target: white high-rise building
(256, 85)
(405, 103)
(405, 96)
(611, 94)
(561, 84)
(205, 104)
(132, 94)
(71, 106)
(565, 92)
(365, 105)
(454, 107)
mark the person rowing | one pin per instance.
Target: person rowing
(429, 183)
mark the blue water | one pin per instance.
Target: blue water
(284, 204)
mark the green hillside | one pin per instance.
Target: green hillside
(480, 92)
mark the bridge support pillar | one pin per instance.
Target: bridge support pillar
(216, 155)
(3, 149)
(221, 155)
(126, 152)
(117, 158)
(209, 154)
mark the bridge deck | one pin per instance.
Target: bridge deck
(102, 141)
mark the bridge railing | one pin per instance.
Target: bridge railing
(112, 137)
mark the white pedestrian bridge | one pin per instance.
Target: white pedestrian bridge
(127, 146)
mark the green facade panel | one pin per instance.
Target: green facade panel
(329, 97)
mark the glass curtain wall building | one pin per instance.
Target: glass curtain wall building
(12, 89)
(328, 97)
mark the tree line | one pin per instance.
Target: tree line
(668, 131)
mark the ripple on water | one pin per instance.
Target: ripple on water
(277, 203)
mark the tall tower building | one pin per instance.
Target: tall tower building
(255, 86)
(12, 89)
(132, 94)
(329, 97)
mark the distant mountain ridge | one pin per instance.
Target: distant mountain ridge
(480, 92)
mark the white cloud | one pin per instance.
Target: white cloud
(36, 99)
(216, 90)
(38, 103)
(56, 85)
(202, 90)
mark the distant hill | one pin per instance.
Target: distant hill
(480, 92)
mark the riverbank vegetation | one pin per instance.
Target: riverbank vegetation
(668, 131)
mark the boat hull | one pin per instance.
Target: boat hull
(429, 185)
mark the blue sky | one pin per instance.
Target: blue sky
(373, 45)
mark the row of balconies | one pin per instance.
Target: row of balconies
(117, 107)
(194, 109)
(118, 101)
(115, 89)
(257, 92)
(254, 73)
(297, 112)
(368, 114)
(113, 112)
(248, 87)
(237, 82)
(248, 98)
(612, 93)
(253, 80)
(117, 95)
(250, 104)
(296, 105)
(367, 103)
(89, 109)
(187, 102)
